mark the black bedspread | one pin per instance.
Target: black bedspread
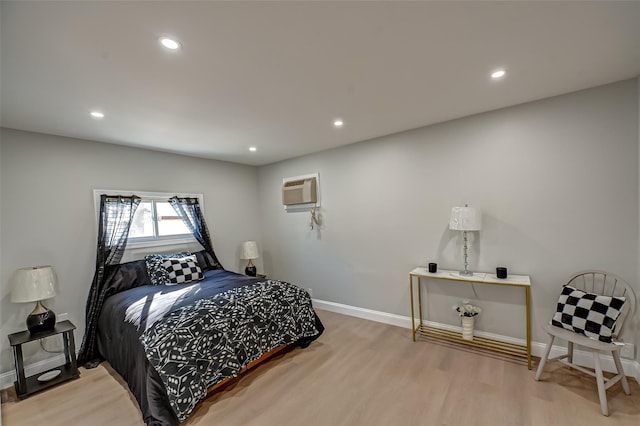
(126, 316)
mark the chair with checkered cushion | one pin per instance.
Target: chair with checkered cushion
(590, 313)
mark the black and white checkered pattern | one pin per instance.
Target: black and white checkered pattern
(183, 270)
(589, 314)
(157, 273)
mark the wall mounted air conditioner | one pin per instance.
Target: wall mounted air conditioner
(300, 191)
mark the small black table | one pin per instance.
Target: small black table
(26, 386)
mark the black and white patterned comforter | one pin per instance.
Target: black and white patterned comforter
(135, 318)
(201, 344)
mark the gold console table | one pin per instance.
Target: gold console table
(510, 349)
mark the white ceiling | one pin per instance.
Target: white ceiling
(275, 74)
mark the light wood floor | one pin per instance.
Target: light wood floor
(358, 373)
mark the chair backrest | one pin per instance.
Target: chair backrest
(607, 284)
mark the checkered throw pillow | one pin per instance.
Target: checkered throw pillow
(157, 273)
(182, 270)
(589, 314)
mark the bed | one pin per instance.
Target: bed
(172, 344)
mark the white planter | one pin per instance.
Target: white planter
(467, 328)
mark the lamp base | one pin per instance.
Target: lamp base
(466, 273)
(251, 269)
(41, 319)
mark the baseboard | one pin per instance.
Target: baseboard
(584, 358)
(7, 379)
(631, 367)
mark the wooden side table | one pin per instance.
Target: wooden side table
(26, 386)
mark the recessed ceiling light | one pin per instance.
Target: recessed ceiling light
(338, 123)
(169, 43)
(253, 149)
(96, 114)
(498, 74)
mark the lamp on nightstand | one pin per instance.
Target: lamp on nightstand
(250, 252)
(465, 219)
(35, 284)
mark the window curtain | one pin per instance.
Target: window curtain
(116, 215)
(191, 213)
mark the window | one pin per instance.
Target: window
(155, 222)
(156, 219)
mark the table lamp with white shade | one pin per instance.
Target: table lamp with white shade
(250, 252)
(35, 284)
(465, 219)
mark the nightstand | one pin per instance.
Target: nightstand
(26, 386)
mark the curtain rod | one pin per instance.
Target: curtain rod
(143, 198)
(117, 197)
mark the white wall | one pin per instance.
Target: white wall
(48, 217)
(556, 179)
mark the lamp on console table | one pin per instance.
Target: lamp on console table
(465, 219)
(35, 284)
(250, 252)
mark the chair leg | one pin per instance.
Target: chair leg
(625, 384)
(570, 350)
(544, 358)
(602, 392)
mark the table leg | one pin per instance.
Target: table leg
(413, 323)
(65, 337)
(21, 381)
(528, 303)
(72, 354)
(420, 301)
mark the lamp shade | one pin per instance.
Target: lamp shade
(33, 284)
(249, 250)
(465, 219)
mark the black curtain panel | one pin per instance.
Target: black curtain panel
(116, 215)
(191, 213)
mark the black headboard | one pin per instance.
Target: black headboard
(134, 274)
